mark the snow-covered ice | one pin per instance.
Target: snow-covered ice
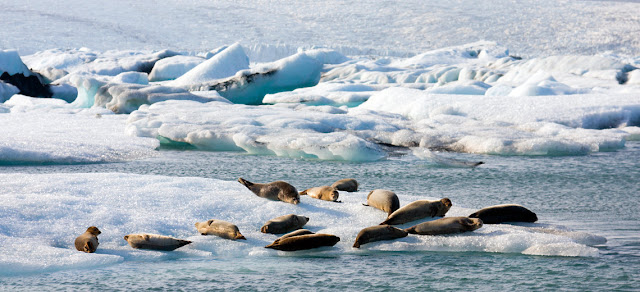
(50, 210)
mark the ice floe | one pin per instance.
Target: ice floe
(48, 211)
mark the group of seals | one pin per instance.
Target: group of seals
(301, 239)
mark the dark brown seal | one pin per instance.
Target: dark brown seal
(378, 233)
(418, 210)
(447, 225)
(284, 224)
(276, 191)
(346, 184)
(505, 213)
(302, 242)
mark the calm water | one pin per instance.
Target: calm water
(597, 194)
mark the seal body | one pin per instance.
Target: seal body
(276, 191)
(302, 242)
(378, 233)
(447, 225)
(418, 210)
(219, 228)
(326, 193)
(295, 233)
(284, 224)
(505, 213)
(88, 241)
(384, 200)
(154, 241)
(346, 184)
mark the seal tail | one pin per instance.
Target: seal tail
(304, 193)
(411, 230)
(356, 245)
(240, 236)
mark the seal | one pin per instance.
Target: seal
(505, 213)
(326, 193)
(220, 228)
(295, 233)
(378, 233)
(384, 200)
(302, 242)
(346, 184)
(154, 241)
(276, 191)
(447, 225)
(284, 224)
(418, 210)
(88, 241)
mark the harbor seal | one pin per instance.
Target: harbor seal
(88, 241)
(447, 225)
(302, 242)
(326, 193)
(418, 210)
(346, 184)
(378, 233)
(220, 228)
(384, 200)
(276, 191)
(284, 224)
(505, 213)
(295, 233)
(154, 241)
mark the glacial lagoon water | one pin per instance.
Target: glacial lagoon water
(593, 195)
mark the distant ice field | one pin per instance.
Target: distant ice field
(528, 28)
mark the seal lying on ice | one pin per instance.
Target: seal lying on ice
(277, 191)
(505, 213)
(154, 241)
(418, 210)
(447, 225)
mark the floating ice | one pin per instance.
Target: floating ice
(327, 93)
(173, 67)
(37, 131)
(250, 86)
(7, 91)
(532, 125)
(222, 65)
(119, 204)
(301, 133)
(11, 63)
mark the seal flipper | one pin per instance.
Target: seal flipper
(88, 247)
(304, 193)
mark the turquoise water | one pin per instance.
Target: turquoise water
(597, 193)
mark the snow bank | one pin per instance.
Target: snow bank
(119, 204)
(51, 131)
